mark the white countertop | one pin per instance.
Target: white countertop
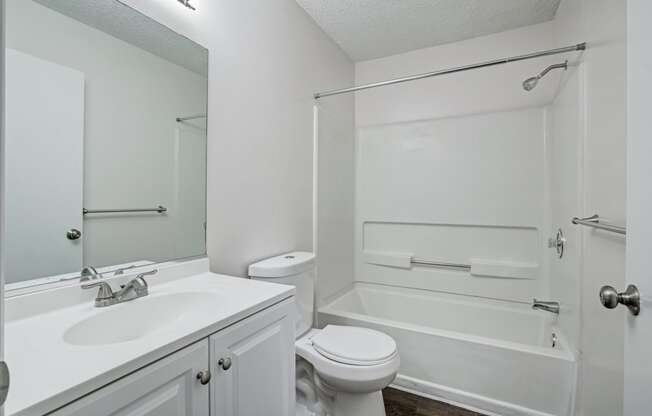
(47, 372)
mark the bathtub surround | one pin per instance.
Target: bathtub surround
(471, 191)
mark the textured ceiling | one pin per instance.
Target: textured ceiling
(368, 29)
(126, 24)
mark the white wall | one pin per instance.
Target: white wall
(130, 138)
(267, 58)
(602, 69)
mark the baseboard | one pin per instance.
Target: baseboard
(463, 399)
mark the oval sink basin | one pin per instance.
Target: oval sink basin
(136, 319)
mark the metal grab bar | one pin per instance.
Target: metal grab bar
(594, 221)
(188, 118)
(445, 265)
(160, 209)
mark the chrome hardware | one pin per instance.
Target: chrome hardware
(441, 264)
(204, 377)
(631, 298)
(552, 307)
(554, 340)
(149, 273)
(134, 289)
(577, 47)
(558, 243)
(73, 234)
(4, 382)
(187, 4)
(595, 222)
(122, 270)
(160, 209)
(89, 273)
(188, 118)
(224, 363)
(104, 296)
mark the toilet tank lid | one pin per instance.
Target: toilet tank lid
(283, 265)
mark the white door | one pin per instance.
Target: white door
(253, 365)
(638, 332)
(169, 387)
(4, 379)
(44, 133)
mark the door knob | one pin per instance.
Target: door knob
(224, 363)
(204, 376)
(4, 382)
(73, 234)
(631, 298)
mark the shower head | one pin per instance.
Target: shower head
(530, 83)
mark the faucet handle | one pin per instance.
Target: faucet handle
(149, 273)
(140, 279)
(105, 291)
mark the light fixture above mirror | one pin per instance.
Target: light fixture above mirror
(187, 4)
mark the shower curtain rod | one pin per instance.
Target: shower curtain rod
(577, 47)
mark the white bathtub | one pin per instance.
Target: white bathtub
(492, 356)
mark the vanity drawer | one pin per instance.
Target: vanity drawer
(168, 387)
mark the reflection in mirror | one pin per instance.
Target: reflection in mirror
(105, 140)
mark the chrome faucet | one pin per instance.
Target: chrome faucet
(134, 289)
(552, 307)
(122, 270)
(89, 273)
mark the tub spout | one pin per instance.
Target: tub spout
(552, 307)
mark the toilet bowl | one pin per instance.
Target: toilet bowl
(341, 370)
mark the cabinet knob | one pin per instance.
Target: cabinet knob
(204, 376)
(224, 363)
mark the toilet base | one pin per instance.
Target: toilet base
(353, 404)
(370, 404)
(317, 398)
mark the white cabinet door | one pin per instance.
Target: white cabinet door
(253, 365)
(168, 387)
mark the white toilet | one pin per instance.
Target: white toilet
(341, 370)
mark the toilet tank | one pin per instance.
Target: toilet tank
(296, 269)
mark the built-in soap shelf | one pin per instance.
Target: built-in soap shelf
(476, 267)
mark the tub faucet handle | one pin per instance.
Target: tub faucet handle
(548, 306)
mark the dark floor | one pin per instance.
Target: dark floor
(399, 403)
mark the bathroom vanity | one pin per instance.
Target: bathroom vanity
(198, 344)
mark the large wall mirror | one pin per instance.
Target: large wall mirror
(105, 157)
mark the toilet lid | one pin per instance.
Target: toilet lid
(354, 345)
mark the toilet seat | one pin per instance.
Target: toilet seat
(373, 376)
(354, 345)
